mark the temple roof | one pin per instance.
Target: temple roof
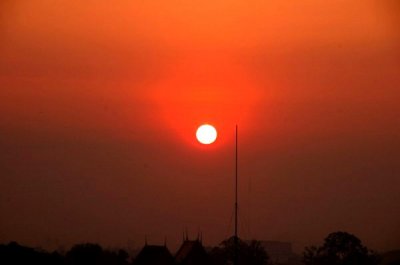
(191, 252)
(154, 255)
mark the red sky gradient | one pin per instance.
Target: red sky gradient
(100, 101)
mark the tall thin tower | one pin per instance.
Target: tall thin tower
(236, 239)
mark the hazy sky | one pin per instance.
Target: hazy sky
(100, 100)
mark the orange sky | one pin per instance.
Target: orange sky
(99, 103)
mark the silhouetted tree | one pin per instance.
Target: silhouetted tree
(119, 257)
(340, 248)
(94, 254)
(256, 253)
(122, 256)
(84, 254)
(13, 253)
(251, 253)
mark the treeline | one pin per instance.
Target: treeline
(338, 248)
(81, 254)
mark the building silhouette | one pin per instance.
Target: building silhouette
(192, 252)
(154, 255)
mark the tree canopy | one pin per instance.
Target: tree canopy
(340, 248)
(249, 253)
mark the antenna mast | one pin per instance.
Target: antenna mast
(236, 198)
(236, 182)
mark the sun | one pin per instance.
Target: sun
(206, 134)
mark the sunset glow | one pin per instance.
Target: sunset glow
(101, 103)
